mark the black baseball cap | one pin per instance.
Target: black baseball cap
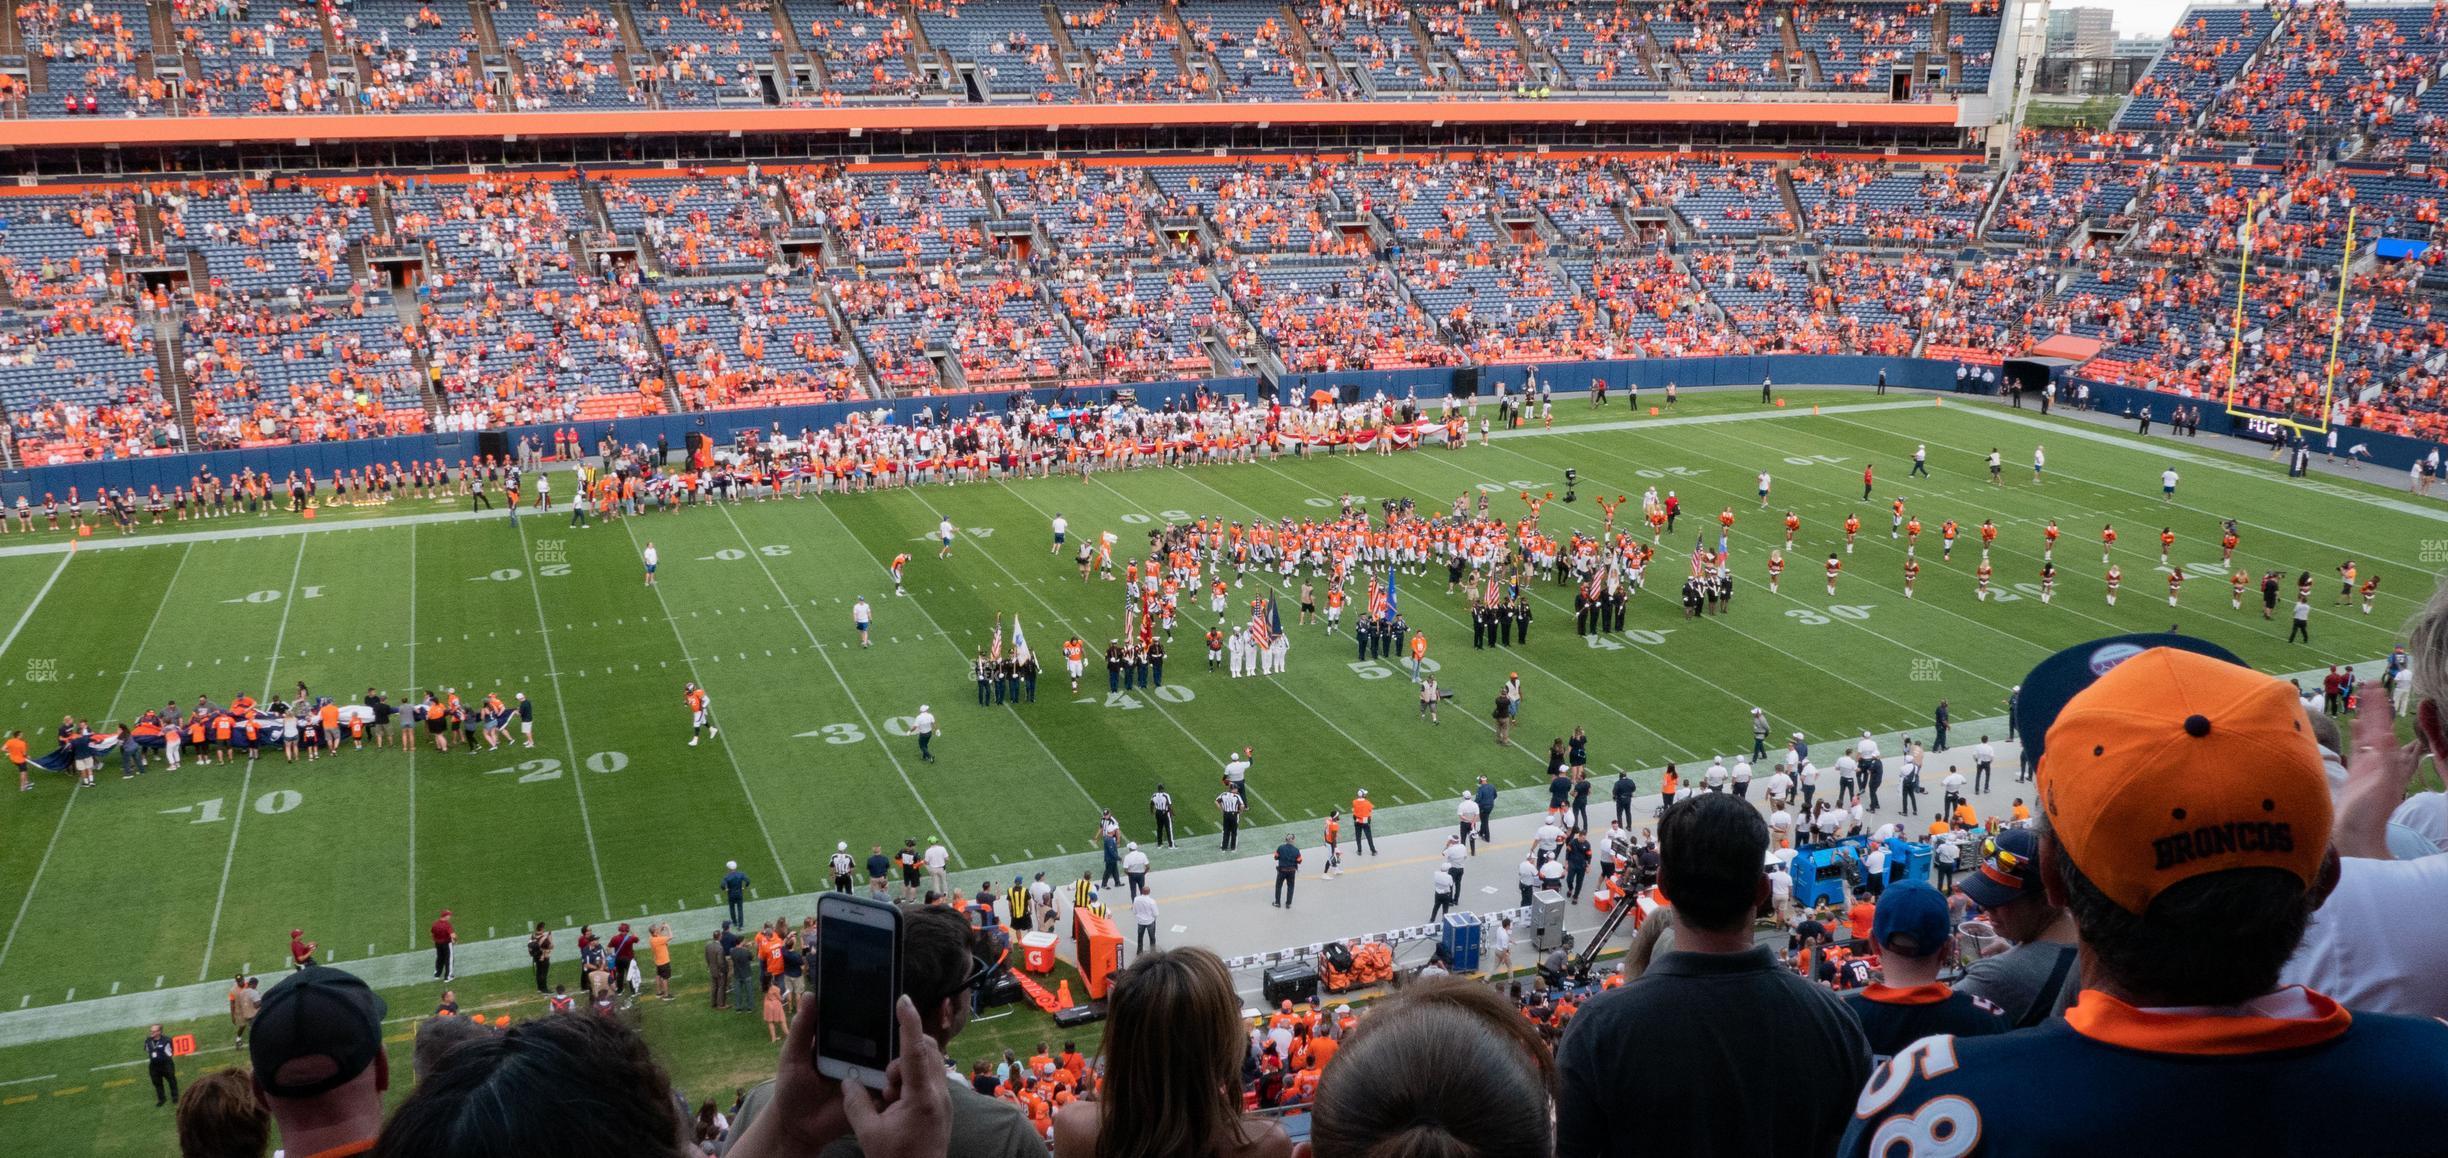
(316, 1013)
(2009, 870)
(2060, 677)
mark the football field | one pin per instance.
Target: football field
(181, 877)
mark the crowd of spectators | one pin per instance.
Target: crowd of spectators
(2058, 959)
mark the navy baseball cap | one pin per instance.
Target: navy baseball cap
(324, 1017)
(2060, 677)
(2009, 870)
(1911, 920)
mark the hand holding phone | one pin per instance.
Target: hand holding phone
(858, 982)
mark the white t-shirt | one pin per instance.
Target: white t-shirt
(944, 529)
(1780, 883)
(937, 856)
(1456, 854)
(922, 723)
(1528, 873)
(1742, 772)
(2376, 944)
(1866, 748)
(1715, 777)
(1500, 938)
(1062, 526)
(1954, 783)
(1780, 785)
(1984, 753)
(2167, 478)
(1143, 909)
(1875, 861)
(861, 614)
(1442, 878)
(1780, 819)
(1846, 766)
(1469, 811)
(1134, 861)
(650, 556)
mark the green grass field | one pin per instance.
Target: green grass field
(177, 878)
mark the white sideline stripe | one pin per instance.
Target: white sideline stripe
(630, 526)
(246, 780)
(412, 744)
(28, 616)
(933, 627)
(883, 739)
(569, 739)
(62, 826)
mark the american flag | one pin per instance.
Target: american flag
(1376, 600)
(995, 650)
(1490, 596)
(1263, 626)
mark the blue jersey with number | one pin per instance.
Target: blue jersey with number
(2367, 1085)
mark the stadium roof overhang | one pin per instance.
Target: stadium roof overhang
(303, 130)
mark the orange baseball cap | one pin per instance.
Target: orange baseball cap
(2175, 764)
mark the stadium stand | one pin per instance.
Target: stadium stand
(141, 317)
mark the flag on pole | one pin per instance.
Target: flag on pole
(1489, 597)
(1274, 622)
(1261, 624)
(994, 650)
(1393, 609)
(1019, 642)
(1376, 600)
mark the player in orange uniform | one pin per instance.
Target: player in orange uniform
(898, 562)
(2107, 541)
(701, 718)
(2048, 548)
(2167, 540)
(1793, 523)
(2227, 546)
(1946, 541)
(1988, 532)
(1912, 534)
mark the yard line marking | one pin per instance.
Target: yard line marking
(246, 780)
(603, 896)
(1524, 750)
(754, 809)
(412, 746)
(881, 736)
(1516, 657)
(28, 615)
(2143, 496)
(62, 826)
(1260, 802)
(1658, 653)
(25, 1081)
(1878, 584)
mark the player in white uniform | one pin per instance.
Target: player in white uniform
(943, 535)
(650, 558)
(861, 615)
(1062, 526)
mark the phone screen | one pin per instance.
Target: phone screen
(855, 994)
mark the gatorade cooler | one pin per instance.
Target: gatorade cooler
(1037, 951)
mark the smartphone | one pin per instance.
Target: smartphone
(858, 982)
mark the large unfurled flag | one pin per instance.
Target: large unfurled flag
(1020, 647)
(1376, 600)
(1393, 608)
(995, 649)
(1261, 625)
(1488, 598)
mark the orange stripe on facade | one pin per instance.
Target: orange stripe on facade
(163, 130)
